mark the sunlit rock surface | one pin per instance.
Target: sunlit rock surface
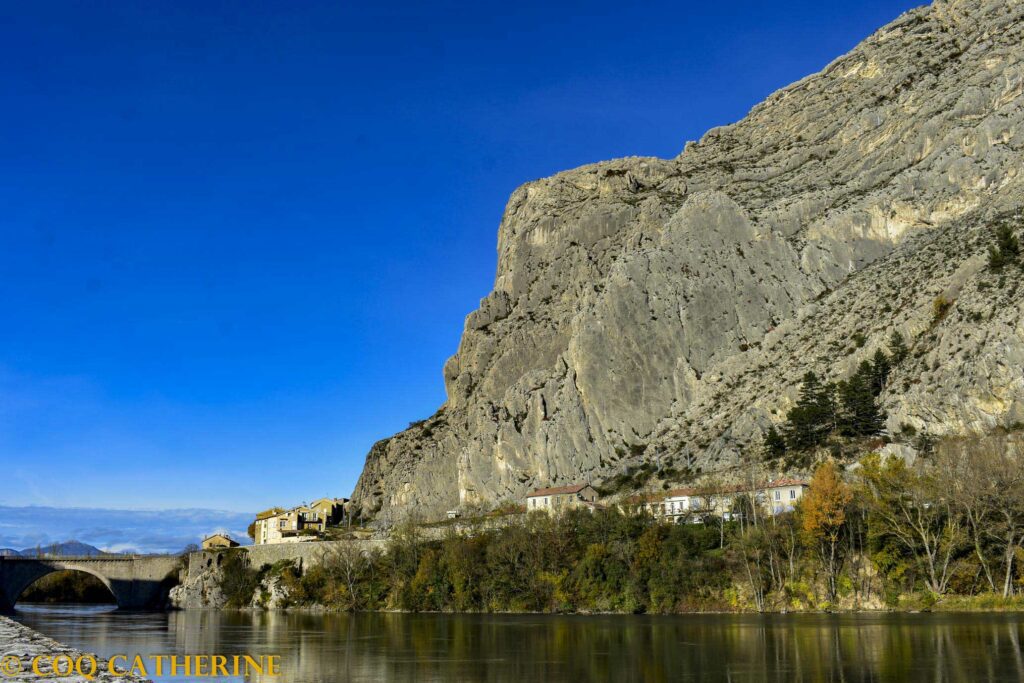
(664, 310)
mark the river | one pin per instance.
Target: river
(333, 648)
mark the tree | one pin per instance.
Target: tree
(881, 365)
(714, 503)
(897, 348)
(1006, 250)
(752, 551)
(823, 521)
(774, 445)
(812, 419)
(914, 506)
(985, 476)
(345, 563)
(859, 414)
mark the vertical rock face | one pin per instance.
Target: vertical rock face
(664, 310)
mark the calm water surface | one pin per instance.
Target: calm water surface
(332, 648)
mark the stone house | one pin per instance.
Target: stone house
(301, 523)
(217, 541)
(560, 498)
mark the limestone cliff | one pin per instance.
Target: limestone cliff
(664, 310)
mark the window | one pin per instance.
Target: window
(792, 494)
(778, 495)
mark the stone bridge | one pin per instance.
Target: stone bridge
(135, 581)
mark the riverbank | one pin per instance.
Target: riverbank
(24, 644)
(614, 562)
(909, 605)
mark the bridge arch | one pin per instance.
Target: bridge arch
(135, 582)
(44, 569)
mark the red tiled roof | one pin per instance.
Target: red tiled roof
(786, 481)
(558, 490)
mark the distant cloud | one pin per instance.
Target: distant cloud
(143, 531)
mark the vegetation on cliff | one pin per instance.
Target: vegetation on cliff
(949, 527)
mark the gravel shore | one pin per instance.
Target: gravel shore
(22, 642)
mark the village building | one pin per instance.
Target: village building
(560, 498)
(686, 504)
(301, 523)
(693, 504)
(679, 504)
(781, 495)
(218, 541)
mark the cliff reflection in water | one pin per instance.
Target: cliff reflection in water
(330, 648)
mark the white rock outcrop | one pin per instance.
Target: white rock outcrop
(664, 310)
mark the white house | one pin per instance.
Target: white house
(691, 504)
(781, 495)
(561, 498)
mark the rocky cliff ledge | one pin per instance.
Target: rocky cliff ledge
(664, 310)
(24, 644)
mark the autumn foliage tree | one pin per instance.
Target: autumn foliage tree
(823, 521)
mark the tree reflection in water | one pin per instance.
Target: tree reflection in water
(330, 648)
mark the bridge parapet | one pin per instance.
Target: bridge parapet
(136, 582)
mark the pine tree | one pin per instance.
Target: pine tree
(880, 368)
(897, 348)
(1007, 248)
(859, 413)
(774, 445)
(813, 418)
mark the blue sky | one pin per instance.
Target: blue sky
(238, 240)
(141, 531)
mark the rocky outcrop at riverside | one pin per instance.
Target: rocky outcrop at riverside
(663, 311)
(203, 581)
(21, 642)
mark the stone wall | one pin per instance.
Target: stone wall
(305, 554)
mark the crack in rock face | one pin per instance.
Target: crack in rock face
(663, 311)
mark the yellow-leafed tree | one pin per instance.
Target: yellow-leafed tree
(823, 521)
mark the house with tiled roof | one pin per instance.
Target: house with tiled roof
(305, 522)
(781, 495)
(558, 498)
(218, 540)
(693, 504)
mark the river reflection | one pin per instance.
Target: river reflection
(332, 648)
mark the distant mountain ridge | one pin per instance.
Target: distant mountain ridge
(67, 548)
